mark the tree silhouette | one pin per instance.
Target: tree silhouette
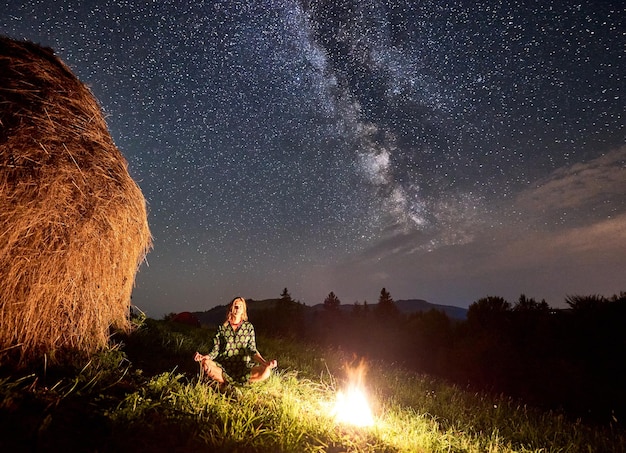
(586, 303)
(286, 319)
(430, 335)
(386, 307)
(526, 304)
(332, 302)
(358, 311)
(489, 311)
(285, 296)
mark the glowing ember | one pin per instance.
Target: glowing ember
(351, 406)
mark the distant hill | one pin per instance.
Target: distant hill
(216, 315)
(415, 305)
(409, 306)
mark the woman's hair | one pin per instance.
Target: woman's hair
(244, 312)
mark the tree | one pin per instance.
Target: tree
(488, 309)
(285, 296)
(332, 302)
(586, 303)
(525, 304)
(287, 317)
(386, 306)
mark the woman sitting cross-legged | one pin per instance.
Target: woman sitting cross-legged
(234, 352)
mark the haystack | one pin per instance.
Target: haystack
(73, 223)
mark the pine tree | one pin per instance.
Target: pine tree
(386, 306)
(285, 296)
(332, 302)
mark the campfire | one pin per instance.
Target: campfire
(351, 405)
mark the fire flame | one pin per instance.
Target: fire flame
(351, 405)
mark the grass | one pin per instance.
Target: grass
(115, 404)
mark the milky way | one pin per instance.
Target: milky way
(345, 146)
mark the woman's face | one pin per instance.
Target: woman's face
(237, 308)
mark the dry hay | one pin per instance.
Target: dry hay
(73, 224)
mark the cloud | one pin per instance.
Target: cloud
(598, 186)
(597, 242)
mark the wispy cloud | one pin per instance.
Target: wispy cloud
(598, 186)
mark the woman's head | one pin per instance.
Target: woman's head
(237, 308)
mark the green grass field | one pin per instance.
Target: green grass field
(145, 395)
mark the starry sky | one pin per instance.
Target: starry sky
(444, 150)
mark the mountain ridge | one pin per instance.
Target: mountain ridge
(216, 315)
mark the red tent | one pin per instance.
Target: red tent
(188, 318)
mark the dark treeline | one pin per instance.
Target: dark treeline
(571, 359)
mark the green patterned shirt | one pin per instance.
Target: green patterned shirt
(233, 351)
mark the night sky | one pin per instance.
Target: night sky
(445, 150)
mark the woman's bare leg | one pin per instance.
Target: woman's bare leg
(261, 372)
(211, 369)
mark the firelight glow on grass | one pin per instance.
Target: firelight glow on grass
(289, 412)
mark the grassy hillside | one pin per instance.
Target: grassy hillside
(145, 395)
